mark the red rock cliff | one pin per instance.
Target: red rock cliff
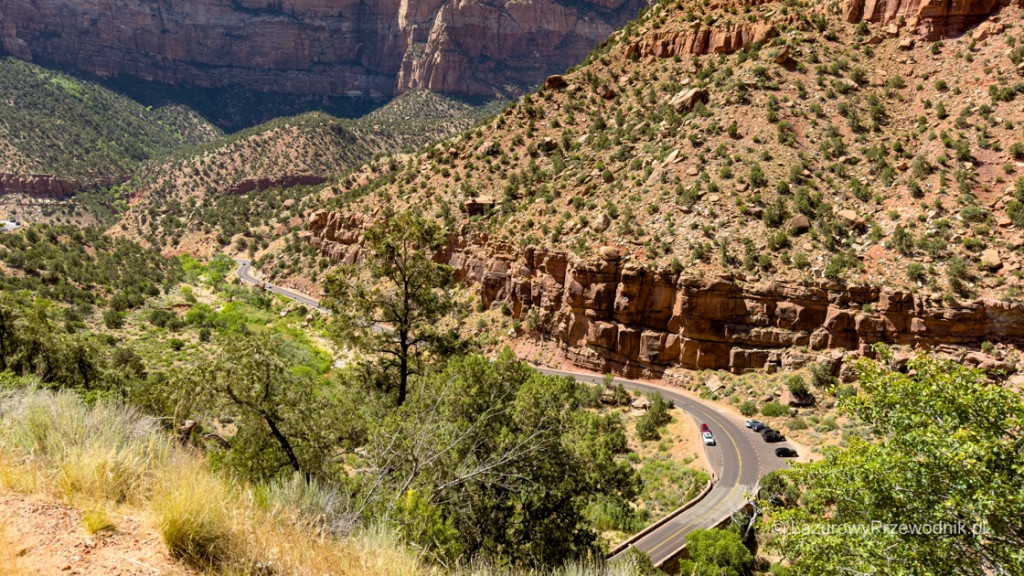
(611, 314)
(935, 19)
(39, 185)
(315, 47)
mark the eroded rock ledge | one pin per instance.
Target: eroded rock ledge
(612, 314)
(39, 186)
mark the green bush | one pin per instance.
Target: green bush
(159, 318)
(113, 319)
(821, 375)
(748, 408)
(657, 416)
(796, 385)
(773, 409)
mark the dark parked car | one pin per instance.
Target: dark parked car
(759, 427)
(785, 452)
(770, 435)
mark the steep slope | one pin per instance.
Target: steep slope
(59, 133)
(713, 187)
(242, 190)
(339, 55)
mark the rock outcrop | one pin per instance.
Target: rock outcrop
(319, 48)
(933, 19)
(250, 184)
(38, 186)
(700, 38)
(611, 314)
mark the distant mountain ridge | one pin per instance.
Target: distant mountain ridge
(336, 55)
(59, 133)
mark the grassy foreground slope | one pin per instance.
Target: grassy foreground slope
(54, 123)
(118, 465)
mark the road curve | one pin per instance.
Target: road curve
(739, 458)
(244, 273)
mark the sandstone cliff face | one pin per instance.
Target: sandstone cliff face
(611, 314)
(701, 39)
(328, 48)
(934, 19)
(38, 186)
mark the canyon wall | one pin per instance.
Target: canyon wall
(39, 186)
(934, 19)
(327, 48)
(608, 313)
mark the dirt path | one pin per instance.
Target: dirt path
(45, 538)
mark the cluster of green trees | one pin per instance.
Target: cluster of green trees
(108, 134)
(463, 456)
(34, 343)
(935, 490)
(83, 266)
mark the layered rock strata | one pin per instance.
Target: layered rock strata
(325, 48)
(38, 186)
(934, 19)
(608, 313)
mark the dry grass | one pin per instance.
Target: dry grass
(109, 455)
(97, 520)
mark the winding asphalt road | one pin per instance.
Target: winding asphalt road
(244, 273)
(739, 459)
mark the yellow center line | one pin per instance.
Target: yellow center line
(739, 474)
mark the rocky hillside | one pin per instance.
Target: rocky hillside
(326, 53)
(713, 188)
(245, 190)
(59, 133)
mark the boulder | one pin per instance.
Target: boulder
(555, 82)
(798, 224)
(609, 253)
(990, 259)
(986, 30)
(685, 100)
(782, 56)
(851, 218)
(713, 383)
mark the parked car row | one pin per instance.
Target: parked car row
(770, 435)
(766, 432)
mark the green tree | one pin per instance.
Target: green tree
(285, 422)
(657, 416)
(391, 305)
(716, 553)
(947, 454)
(113, 319)
(508, 455)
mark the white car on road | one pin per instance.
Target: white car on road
(709, 440)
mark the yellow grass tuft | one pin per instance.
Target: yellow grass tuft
(192, 513)
(97, 520)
